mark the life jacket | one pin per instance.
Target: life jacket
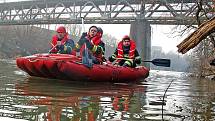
(131, 50)
(97, 41)
(63, 41)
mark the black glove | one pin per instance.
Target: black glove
(84, 34)
(111, 59)
(137, 61)
(82, 41)
(60, 47)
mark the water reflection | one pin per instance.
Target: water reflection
(24, 98)
(77, 101)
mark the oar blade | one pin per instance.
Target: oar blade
(86, 60)
(161, 62)
(85, 55)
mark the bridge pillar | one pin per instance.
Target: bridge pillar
(140, 32)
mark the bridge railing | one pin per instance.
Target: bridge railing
(100, 11)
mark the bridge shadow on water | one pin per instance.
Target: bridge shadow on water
(60, 100)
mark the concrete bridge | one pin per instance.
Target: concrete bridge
(139, 13)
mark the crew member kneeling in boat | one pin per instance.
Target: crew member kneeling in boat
(126, 53)
(61, 42)
(94, 44)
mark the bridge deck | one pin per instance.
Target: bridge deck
(102, 11)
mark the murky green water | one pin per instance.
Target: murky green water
(36, 99)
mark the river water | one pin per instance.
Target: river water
(25, 98)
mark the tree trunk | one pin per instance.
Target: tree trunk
(204, 30)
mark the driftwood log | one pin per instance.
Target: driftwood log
(204, 30)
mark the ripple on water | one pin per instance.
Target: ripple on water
(186, 99)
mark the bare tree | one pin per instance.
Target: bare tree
(204, 39)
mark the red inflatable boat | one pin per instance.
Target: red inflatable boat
(69, 67)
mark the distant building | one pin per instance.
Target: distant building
(157, 48)
(156, 51)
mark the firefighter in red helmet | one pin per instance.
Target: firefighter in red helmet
(61, 42)
(126, 53)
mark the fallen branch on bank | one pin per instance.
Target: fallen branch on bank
(164, 97)
(204, 30)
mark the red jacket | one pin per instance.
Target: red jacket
(63, 42)
(131, 51)
(97, 41)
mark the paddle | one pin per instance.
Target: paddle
(160, 62)
(157, 61)
(53, 47)
(85, 56)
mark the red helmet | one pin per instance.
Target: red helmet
(61, 29)
(126, 37)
